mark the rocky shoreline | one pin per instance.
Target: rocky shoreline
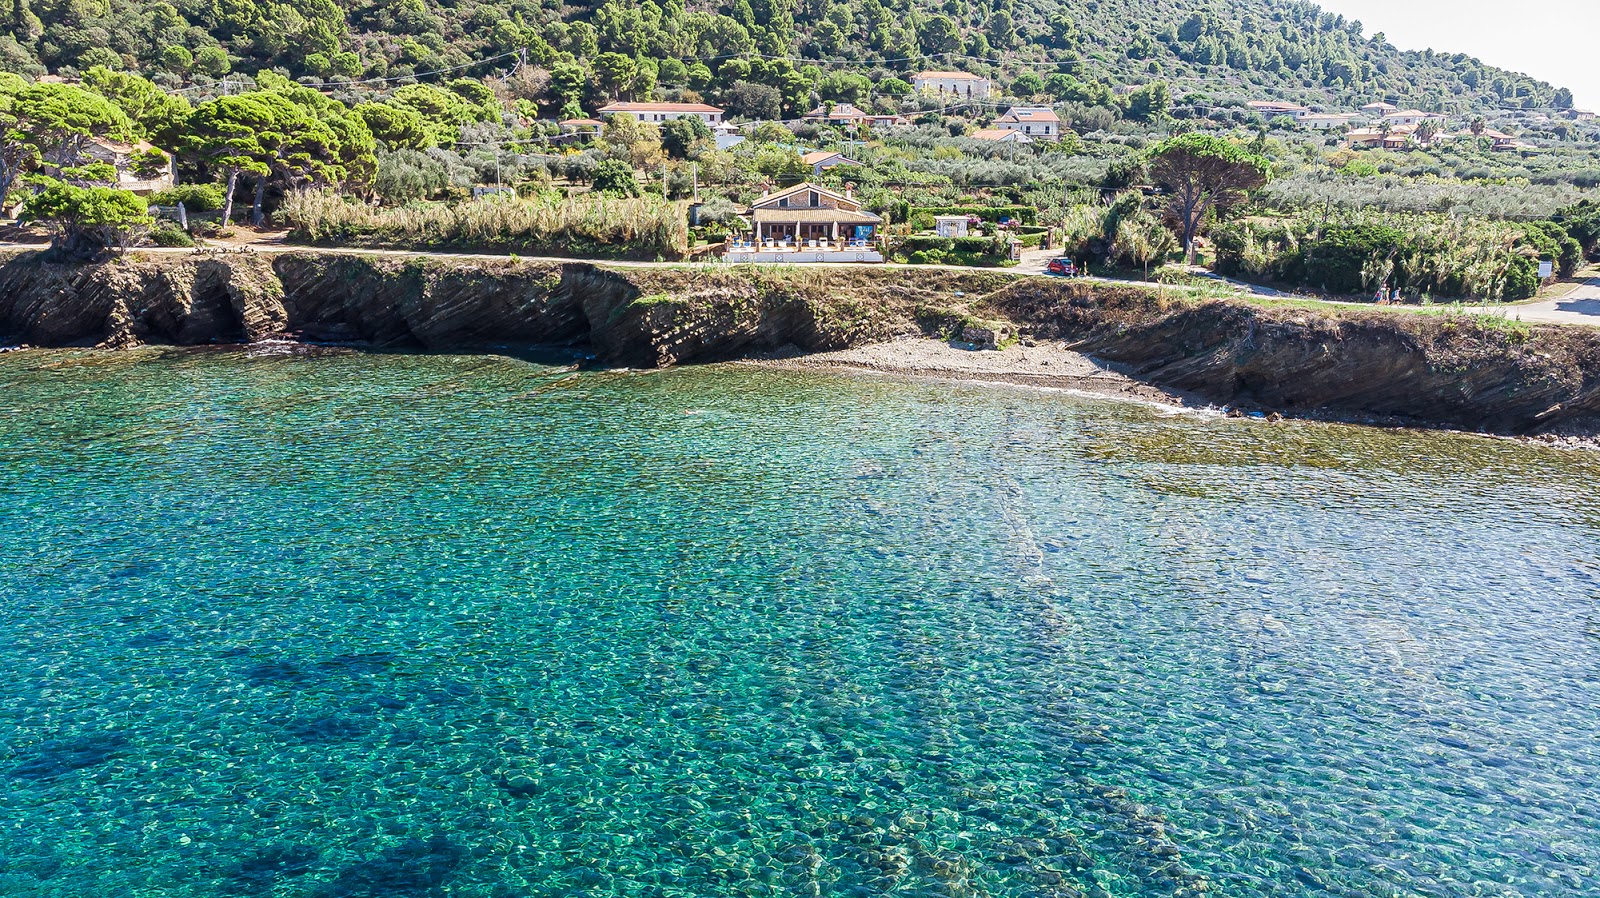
(1462, 372)
(1045, 365)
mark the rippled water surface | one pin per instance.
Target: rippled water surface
(360, 625)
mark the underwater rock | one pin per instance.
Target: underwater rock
(329, 728)
(268, 673)
(415, 868)
(61, 756)
(259, 873)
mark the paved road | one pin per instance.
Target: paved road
(1581, 306)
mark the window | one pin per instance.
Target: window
(815, 200)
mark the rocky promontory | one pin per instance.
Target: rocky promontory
(1458, 371)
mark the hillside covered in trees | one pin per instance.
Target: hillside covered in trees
(750, 54)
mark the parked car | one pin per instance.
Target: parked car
(1063, 267)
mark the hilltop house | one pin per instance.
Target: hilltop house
(1498, 140)
(581, 126)
(1319, 121)
(842, 114)
(1000, 135)
(808, 223)
(1379, 109)
(1035, 122)
(1579, 115)
(1413, 117)
(959, 84)
(888, 121)
(1398, 137)
(656, 113)
(822, 160)
(141, 168)
(1275, 108)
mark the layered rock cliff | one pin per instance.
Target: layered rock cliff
(1458, 371)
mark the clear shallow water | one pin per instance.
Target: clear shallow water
(403, 626)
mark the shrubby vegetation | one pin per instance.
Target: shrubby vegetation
(763, 57)
(1515, 200)
(589, 224)
(379, 123)
(1420, 255)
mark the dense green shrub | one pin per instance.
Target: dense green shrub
(195, 198)
(1421, 255)
(1025, 214)
(1337, 260)
(169, 236)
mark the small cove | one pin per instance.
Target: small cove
(399, 625)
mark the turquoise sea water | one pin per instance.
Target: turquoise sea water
(366, 625)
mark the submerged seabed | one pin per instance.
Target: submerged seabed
(395, 626)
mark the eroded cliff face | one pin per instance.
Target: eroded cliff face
(1456, 371)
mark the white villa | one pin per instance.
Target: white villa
(1330, 121)
(960, 84)
(1413, 117)
(656, 113)
(808, 223)
(1035, 122)
(1274, 108)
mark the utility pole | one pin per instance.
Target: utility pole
(694, 169)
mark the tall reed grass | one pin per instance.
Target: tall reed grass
(1359, 252)
(588, 224)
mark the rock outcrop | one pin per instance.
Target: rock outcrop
(1459, 371)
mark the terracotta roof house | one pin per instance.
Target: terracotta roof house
(1035, 122)
(958, 84)
(842, 114)
(1000, 135)
(822, 160)
(1398, 138)
(655, 113)
(124, 157)
(580, 125)
(1379, 109)
(1498, 140)
(808, 223)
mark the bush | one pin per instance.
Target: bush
(1025, 214)
(195, 198)
(84, 221)
(616, 177)
(169, 236)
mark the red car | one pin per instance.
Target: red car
(1063, 267)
